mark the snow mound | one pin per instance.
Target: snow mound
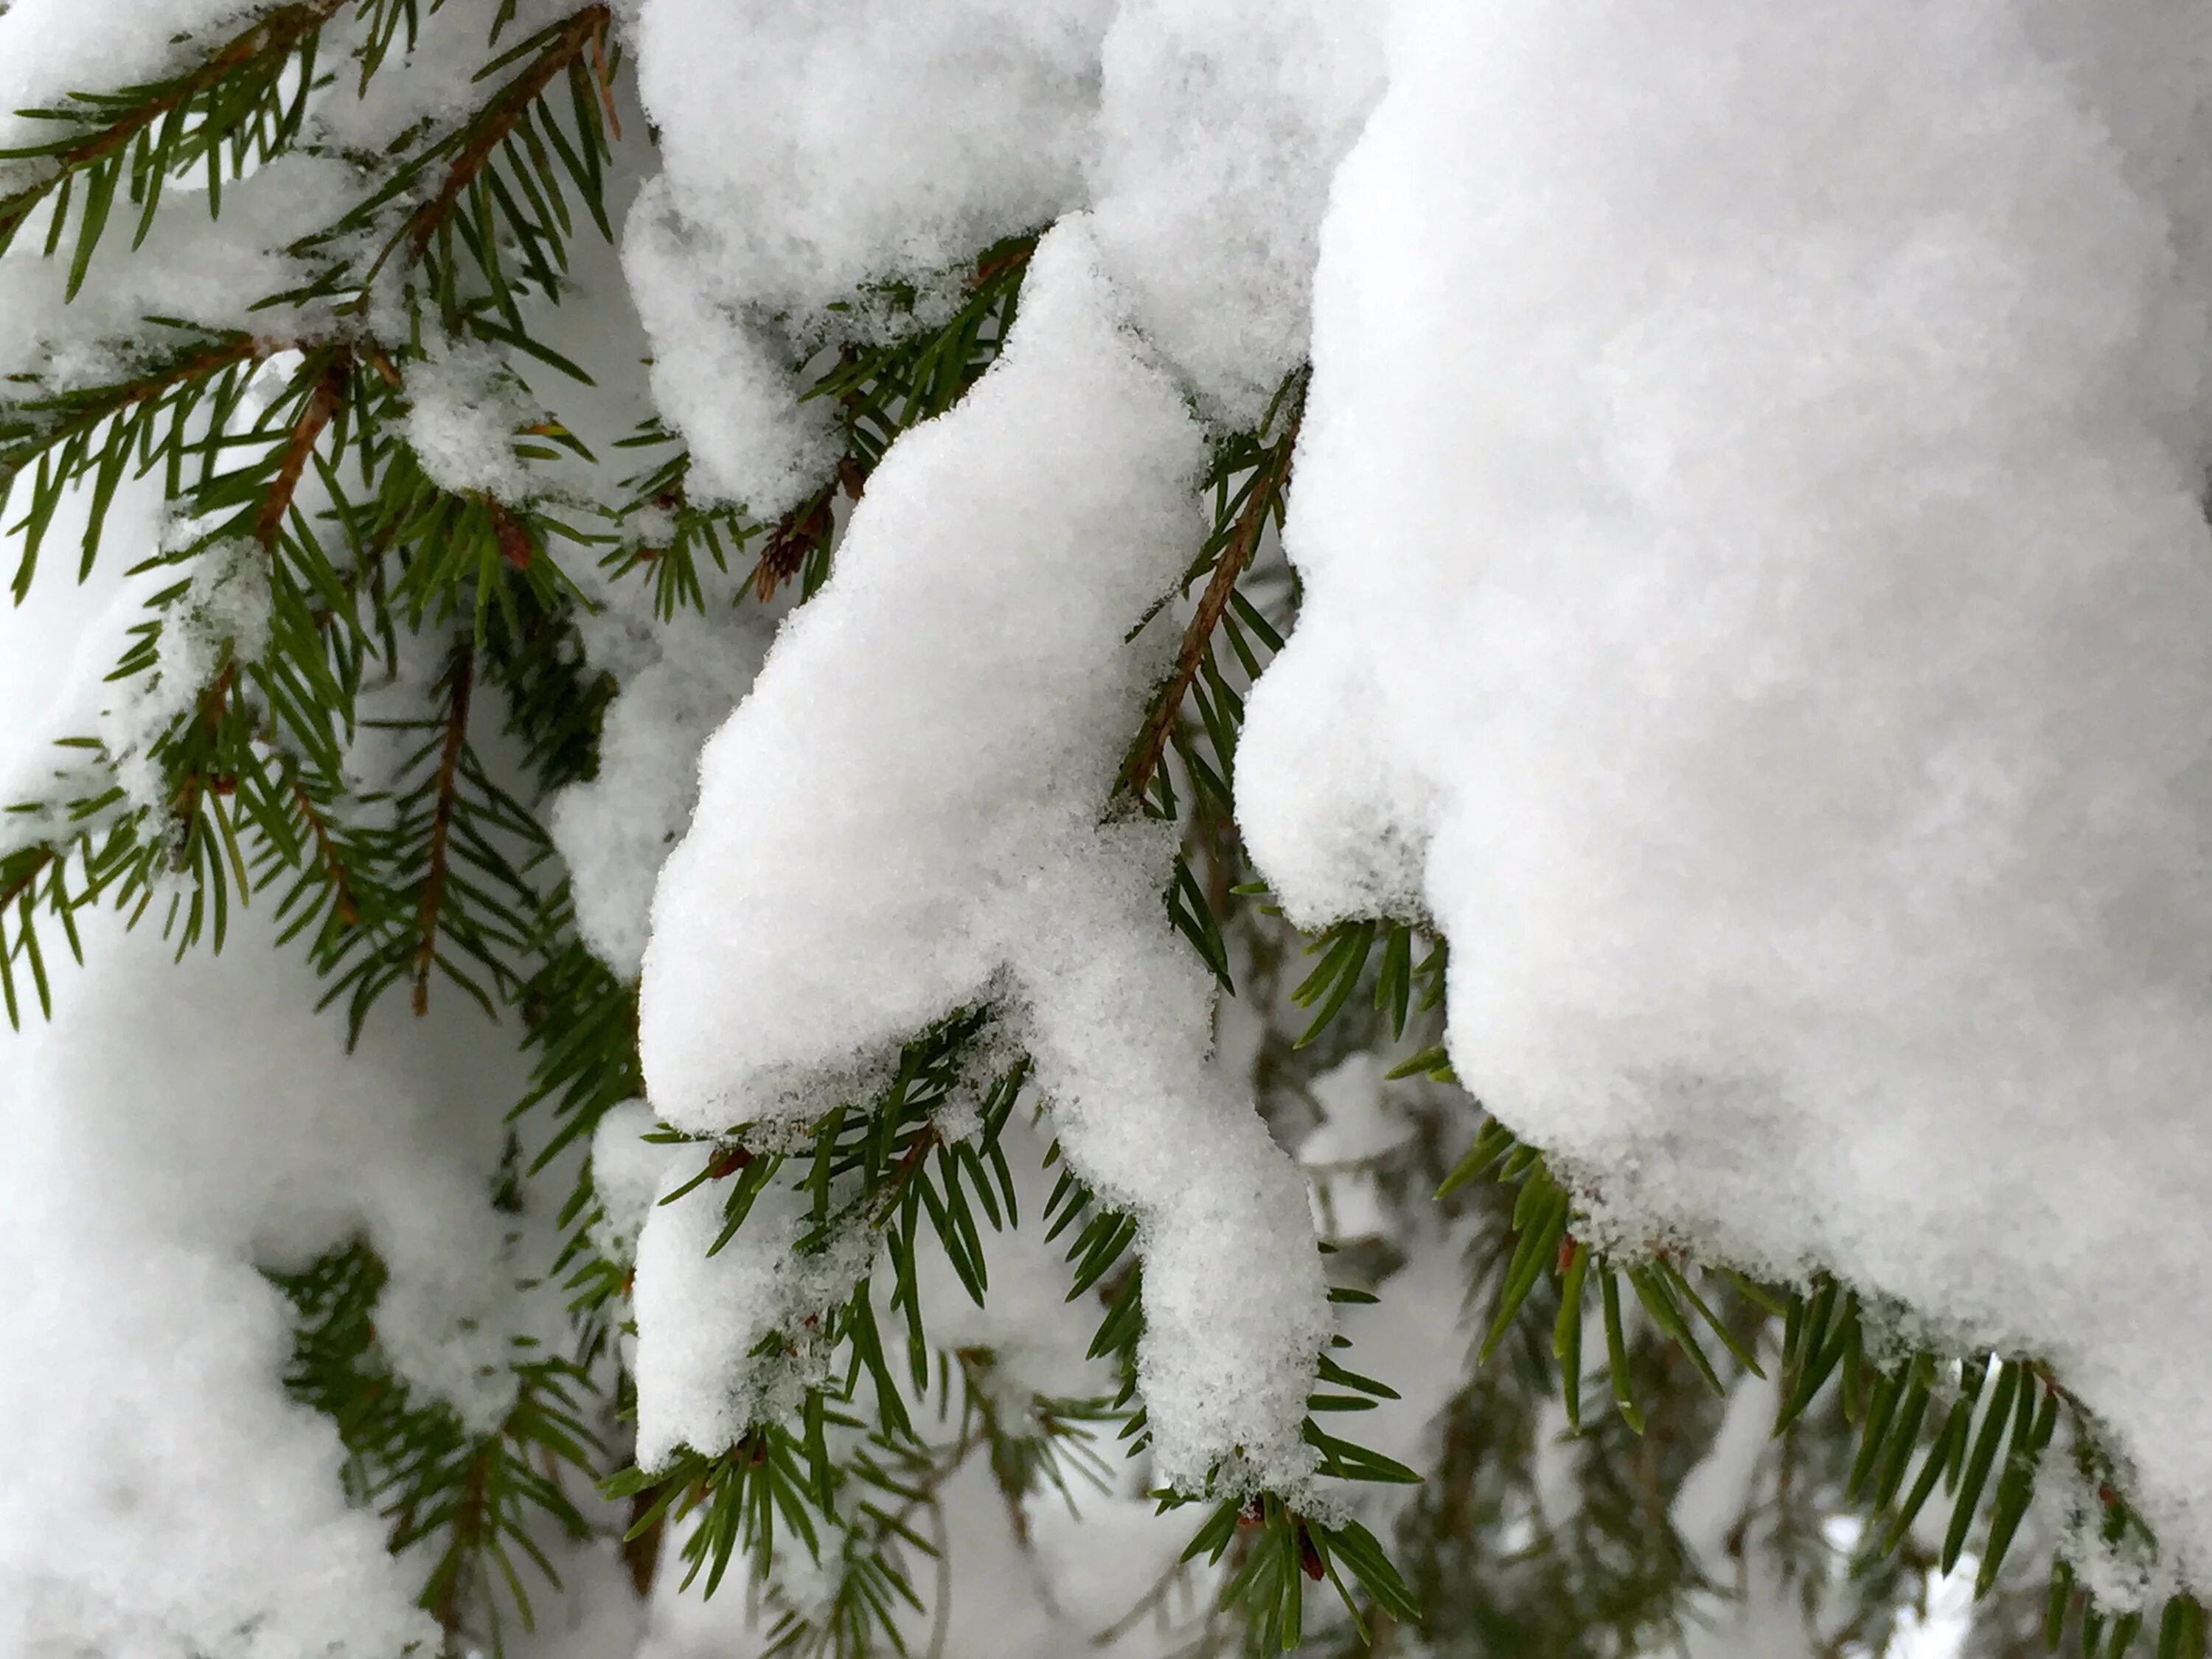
(1757, 602)
(904, 817)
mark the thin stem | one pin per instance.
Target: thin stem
(334, 873)
(586, 29)
(458, 684)
(1275, 476)
(322, 406)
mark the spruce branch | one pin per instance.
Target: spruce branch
(322, 404)
(346, 901)
(459, 680)
(1263, 499)
(263, 50)
(568, 43)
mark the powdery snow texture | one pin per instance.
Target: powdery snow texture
(1756, 601)
(966, 661)
(172, 1130)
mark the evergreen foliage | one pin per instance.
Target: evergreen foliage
(291, 449)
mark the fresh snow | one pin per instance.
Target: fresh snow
(1750, 521)
(51, 48)
(966, 659)
(1756, 600)
(1220, 123)
(171, 1131)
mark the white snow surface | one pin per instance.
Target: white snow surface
(51, 48)
(723, 374)
(812, 151)
(700, 1317)
(818, 147)
(465, 409)
(1756, 601)
(171, 1130)
(1220, 123)
(614, 831)
(966, 659)
(809, 149)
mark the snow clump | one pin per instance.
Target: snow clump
(966, 659)
(1757, 591)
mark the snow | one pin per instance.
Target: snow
(614, 832)
(55, 650)
(966, 659)
(820, 147)
(464, 410)
(700, 1317)
(190, 268)
(810, 150)
(1220, 123)
(627, 1170)
(1755, 600)
(222, 617)
(51, 48)
(170, 1132)
(814, 153)
(1755, 583)
(722, 375)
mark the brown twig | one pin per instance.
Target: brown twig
(603, 76)
(1274, 474)
(213, 702)
(245, 347)
(641, 1552)
(585, 29)
(458, 684)
(348, 910)
(321, 408)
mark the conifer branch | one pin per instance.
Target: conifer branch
(458, 684)
(322, 405)
(274, 36)
(585, 30)
(39, 424)
(213, 702)
(326, 853)
(243, 347)
(1265, 496)
(468, 1528)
